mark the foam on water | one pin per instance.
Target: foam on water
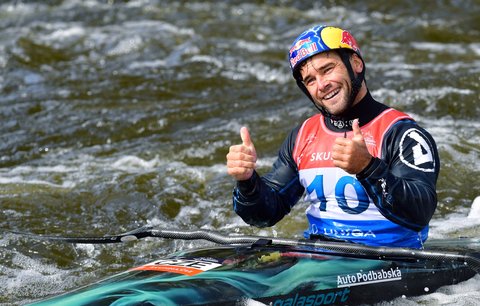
(463, 223)
(259, 71)
(411, 96)
(93, 67)
(474, 213)
(28, 275)
(147, 64)
(135, 164)
(441, 47)
(126, 46)
(21, 180)
(206, 59)
(466, 293)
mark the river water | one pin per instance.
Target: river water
(119, 114)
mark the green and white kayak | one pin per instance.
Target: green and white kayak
(272, 271)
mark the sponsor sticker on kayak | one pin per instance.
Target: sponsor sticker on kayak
(369, 277)
(188, 267)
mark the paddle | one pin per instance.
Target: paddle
(346, 249)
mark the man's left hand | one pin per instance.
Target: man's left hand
(351, 154)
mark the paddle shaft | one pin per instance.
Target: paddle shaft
(349, 249)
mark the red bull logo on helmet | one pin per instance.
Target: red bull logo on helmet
(302, 49)
(299, 44)
(348, 39)
(320, 39)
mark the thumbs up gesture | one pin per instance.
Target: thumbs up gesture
(242, 158)
(351, 154)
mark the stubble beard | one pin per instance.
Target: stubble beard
(345, 102)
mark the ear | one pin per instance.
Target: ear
(357, 63)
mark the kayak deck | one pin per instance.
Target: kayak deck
(271, 274)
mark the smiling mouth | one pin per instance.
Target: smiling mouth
(331, 94)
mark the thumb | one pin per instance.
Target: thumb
(356, 129)
(245, 135)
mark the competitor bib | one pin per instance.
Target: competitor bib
(340, 206)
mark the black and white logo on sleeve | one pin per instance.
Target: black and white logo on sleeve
(416, 151)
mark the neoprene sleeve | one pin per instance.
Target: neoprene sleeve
(404, 195)
(263, 201)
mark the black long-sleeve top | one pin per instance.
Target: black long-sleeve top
(403, 192)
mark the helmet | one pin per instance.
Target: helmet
(317, 40)
(320, 39)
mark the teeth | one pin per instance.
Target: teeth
(330, 95)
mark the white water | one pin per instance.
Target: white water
(116, 114)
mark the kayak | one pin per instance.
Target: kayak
(273, 271)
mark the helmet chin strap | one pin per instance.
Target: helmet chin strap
(305, 91)
(356, 82)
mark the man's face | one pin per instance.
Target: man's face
(328, 82)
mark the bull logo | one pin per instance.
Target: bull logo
(348, 39)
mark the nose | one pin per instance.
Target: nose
(322, 83)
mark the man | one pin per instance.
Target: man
(368, 171)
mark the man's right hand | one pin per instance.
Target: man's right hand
(242, 159)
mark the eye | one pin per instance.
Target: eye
(309, 81)
(328, 69)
